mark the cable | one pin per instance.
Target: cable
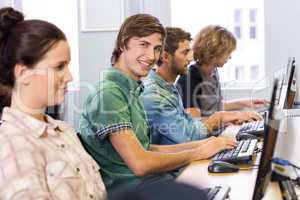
(248, 168)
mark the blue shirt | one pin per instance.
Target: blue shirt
(169, 123)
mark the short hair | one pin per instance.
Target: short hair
(211, 43)
(139, 25)
(174, 35)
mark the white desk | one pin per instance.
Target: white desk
(242, 183)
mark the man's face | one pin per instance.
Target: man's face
(181, 58)
(141, 54)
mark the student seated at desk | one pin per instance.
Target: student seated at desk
(169, 123)
(40, 158)
(113, 123)
(200, 88)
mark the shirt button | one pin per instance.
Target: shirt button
(62, 146)
(91, 196)
(93, 167)
(77, 169)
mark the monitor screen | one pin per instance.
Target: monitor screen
(270, 137)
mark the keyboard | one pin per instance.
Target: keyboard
(254, 128)
(217, 193)
(243, 153)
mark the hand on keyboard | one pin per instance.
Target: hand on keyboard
(214, 145)
(238, 117)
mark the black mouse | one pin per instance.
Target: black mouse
(245, 136)
(222, 167)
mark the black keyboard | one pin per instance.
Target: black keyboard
(217, 193)
(254, 128)
(243, 153)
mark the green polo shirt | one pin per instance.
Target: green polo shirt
(112, 106)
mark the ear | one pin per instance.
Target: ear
(166, 57)
(22, 74)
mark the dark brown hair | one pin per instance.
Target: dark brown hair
(23, 42)
(174, 35)
(139, 25)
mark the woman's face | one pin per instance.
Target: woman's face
(51, 76)
(221, 61)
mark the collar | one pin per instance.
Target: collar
(39, 128)
(161, 82)
(124, 81)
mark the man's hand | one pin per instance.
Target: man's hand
(238, 117)
(213, 146)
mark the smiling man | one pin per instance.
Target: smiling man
(113, 124)
(169, 122)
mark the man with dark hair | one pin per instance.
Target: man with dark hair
(113, 123)
(169, 123)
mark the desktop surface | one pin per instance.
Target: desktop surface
(242, 183)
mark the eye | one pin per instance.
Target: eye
(158, 49)
(144, 44)
(60, 67)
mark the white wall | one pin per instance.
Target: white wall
(5, 3)
(282, 34)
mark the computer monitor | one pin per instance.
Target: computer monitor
(270, 137)
(291, 84)
(287, 88)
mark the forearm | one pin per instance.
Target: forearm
(155, 162)
(177, 147)
(232, 105)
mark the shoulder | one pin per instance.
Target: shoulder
(15, 136)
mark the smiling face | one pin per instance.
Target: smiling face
(181, 58)
(140, 55)
(48, 79)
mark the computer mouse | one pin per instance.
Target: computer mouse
(245, 136)
(222, 167)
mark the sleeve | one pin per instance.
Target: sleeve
(168, 122)
(22, 175)
(108, 112)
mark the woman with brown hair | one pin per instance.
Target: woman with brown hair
(40, 157)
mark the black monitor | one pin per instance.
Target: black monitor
(288, 86)
(270, 137)
(291, 84)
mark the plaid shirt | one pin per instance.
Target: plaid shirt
(41, 160)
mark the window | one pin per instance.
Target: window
(244, 18)
(252, 22)
(254, 70)
(237, 23)
(252, 32)
(239, 73)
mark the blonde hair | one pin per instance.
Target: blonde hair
(211, 43)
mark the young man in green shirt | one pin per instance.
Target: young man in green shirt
(113, 124)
